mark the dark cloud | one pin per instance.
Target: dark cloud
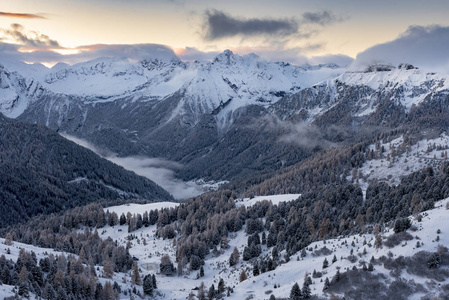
(32, 39)
(220, 25)
(323, 18)
(20, 15)
(422, 46)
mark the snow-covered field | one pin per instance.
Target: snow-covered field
(139, 208)
(275, 199)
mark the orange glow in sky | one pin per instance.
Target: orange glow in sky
(352, 27)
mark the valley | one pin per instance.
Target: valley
(235, 177)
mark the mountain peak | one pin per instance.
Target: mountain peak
(224, 57)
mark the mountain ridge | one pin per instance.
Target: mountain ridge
(245, 103)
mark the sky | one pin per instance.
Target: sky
(296, 31)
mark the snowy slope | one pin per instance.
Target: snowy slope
(284, 276)
(407, 85)
(149, 249)
(400, 159)
(104, 78)
(362, 93)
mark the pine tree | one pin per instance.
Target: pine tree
(303, 252)
(166, 266)
(256, 271)
(145, 219)
(243, 276)
(434, 261)
(49, 291)
(24, 288)
(295, 292)
(113, 219)
(221, 286)
(135, 276)
(153, 277)
(201, 292)
(326, 284)
(325, 263)
(108, 291)
(224, 243)
(201, 271)
(211, 293)
(234, 258)
(306, 292)
(191, 296)
(108, 268)
(148, 285)
(122, 219)
(336, 277)
(275, 253)
(378, 241)
(98, 291)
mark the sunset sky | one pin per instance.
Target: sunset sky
(292, 30)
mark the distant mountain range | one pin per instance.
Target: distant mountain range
(226, 118)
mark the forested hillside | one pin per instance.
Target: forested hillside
(42, 172)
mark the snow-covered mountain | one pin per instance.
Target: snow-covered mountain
(210, 113)
(105, 79)
(229, 81)
(17, 92)
(368, 91)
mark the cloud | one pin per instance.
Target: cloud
(192, 53)
(32, 39)
(159, 170)
(322, 18)
(294, 56)
(35, 47)
(20, 15)
(220, 25)
(10, 53)
(339, 59)
(423, 46)
(131, 51)
(217, 25)
(301, 134)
